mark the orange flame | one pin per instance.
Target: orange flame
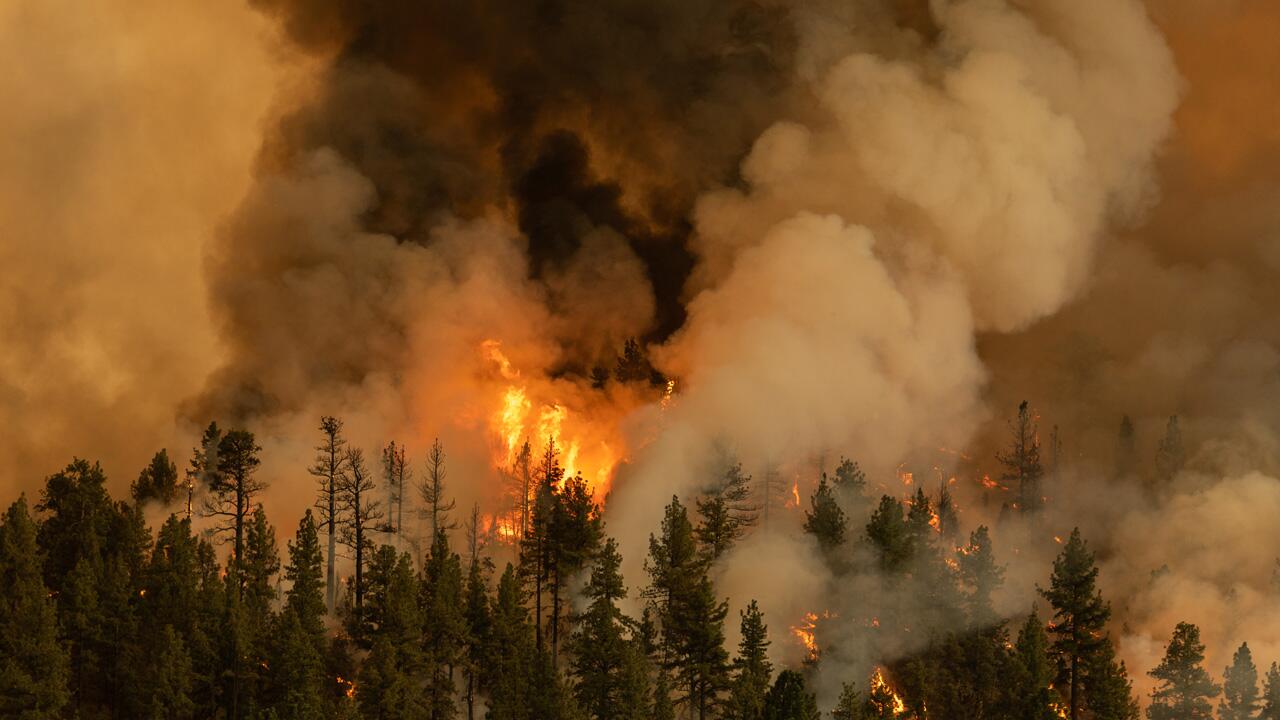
(351, 686)
(879, 684)
(806, 632)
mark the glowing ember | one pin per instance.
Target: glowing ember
(1057, 539)
(350, 686)
(667, 393)
(795, 493)
(935, 522)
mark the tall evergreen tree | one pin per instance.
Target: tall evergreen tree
(981, 576)
(167, 679)
(259, 569)
(1271, 695)
(1240, 699)
(298, 642)
(390, 686)
(1170, 455)
(1031, 675)
(1022, 460)
(1079, 619)
(575, 538)
(157, 481)
(726, 512)
(537, 548)
(849, 706)
(825, 521)
(329, 467)
(444, 625)
(33, 668)
(476, 613)
(788, 699)
(889, 536)
(1183, 688)
(752, 671)
(203, 467)
(233, 488)
(1108, 692)
(948, 521)
(599, 646)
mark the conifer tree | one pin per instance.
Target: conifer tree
(360, 515)
(849, 706)
(1079, 618)
(203, 467)
(889, 537)
(1031, 675)
(78, 520)
(167, 679)
(788, 699)
(157, 481)
(725, 512)
(692, 619)
(1170, 455)
(1240, 699)
(825, 521)
(1022, 460)
(981, 576)
(1183, 690)
(298, 641)
(575, 533)
(633, 366)
(948, 522)
(233, 489)
(444, 625)
(1108, 692)
(476, 613)
(507, 675)
(599, 646)
(33, 668)
(390, 684)
(1271, 695)
(328, 469)
(259, 569)
(752, 671)
(537, 547)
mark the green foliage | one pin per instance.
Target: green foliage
(1022, 468)
(33, 667)
(1271, 695)
(1079, 618)
(752, 670)
(788, 699)
(825, 521)
(1183, 688)
(157, 481)
(889, 537)
(725, 511)
(1031, 674)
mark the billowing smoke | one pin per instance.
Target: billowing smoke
(842, 228)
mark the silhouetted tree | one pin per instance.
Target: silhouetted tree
(1183, 688)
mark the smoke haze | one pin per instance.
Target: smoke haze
(866, 228)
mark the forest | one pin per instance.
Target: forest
(102, 617)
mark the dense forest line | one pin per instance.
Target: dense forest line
(102, 618)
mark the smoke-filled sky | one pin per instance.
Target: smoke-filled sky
(865, 228)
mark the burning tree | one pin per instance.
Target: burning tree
(1022, 460)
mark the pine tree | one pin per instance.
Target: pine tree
(390, 684)
(258, 572)
(788, 699)
(599, 648)
(575, 534)
(633, 366)
(691, 618)
(203, 467)
(476, 613)
(537, 548)
(167, 679)
(849, 705)
(1080, 616)
(948, 522)
(330, 465)
(432, 490)
(360, 515)
(725, 511)
(1240, 699)
(1031, 675)
(825, 521)
(444, 625)
(1126, 449)
(507, 675)
(981, 576)
(33, 668)
(889, 537)
(752, 670)
(233, 489)
(1022, 460)
(157, 481)
(1184, 689)
(1108, 692)
(1271, 695)
(298, 641)
(1170, 455)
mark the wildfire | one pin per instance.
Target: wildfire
(806, 632)
(667, 393)
(529, 411)
(350, 686)
(879, 686)
(795, 492)
(1057, 539)
(935, 522)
